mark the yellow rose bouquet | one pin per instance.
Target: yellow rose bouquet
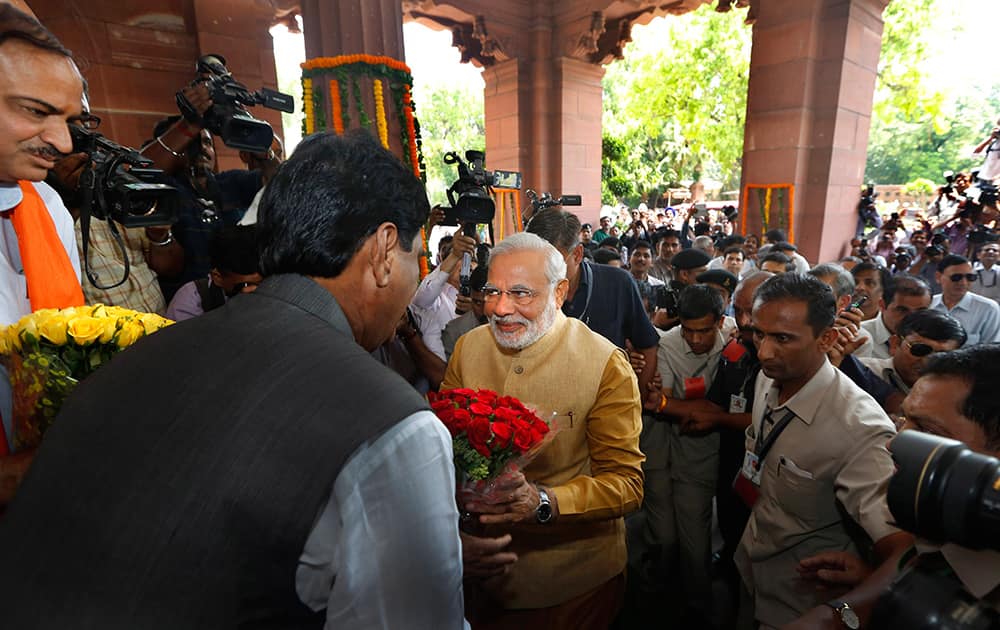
(50, 351)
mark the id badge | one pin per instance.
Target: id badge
(751, 468)
(737, 404)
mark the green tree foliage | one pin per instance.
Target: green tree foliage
(677, 103)
(450, 120)
(920, 129)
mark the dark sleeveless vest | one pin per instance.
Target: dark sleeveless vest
(178, 486)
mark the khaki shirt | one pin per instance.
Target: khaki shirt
(828, 467)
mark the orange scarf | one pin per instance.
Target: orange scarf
(52, 281)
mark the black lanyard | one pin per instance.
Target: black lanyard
(763, 446)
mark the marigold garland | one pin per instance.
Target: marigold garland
(411, 131)
(346, 60)
(307, 106)
(380, 122)
(338, 120)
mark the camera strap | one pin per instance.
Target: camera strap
(588, 276)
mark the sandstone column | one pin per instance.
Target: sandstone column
(812, 80)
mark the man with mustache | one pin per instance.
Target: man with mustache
(41, 92)
(816, 465)
(565, 512)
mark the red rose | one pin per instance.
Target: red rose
(478, 432)
(505, 414)
(503, 432)
(480, 409)
(460, 391)
(460, 420)
(536, 436)
(487, 397)
(523, 441)
(440, 405)
(540, 426)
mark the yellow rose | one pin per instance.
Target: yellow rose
(5, 345)
(85, 330)
(13, 337)
(109, 328)
(130, 332)
(152, 322)
(54, 329)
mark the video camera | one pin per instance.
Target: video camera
(945, 492)
(228, 117)
(546, 200)
(117, 185)
(667, 298)
(472, 203)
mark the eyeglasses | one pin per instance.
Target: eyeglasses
(918, 349)
(88, 121)
(957, 277)
(521, 297)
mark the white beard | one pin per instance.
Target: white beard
(533, 330)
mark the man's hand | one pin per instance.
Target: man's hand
(463, 304)
(460, 245)
(835, 568)
(485, 557)
(845, 345)
(68, 169)
(654, 393)
(636, 358)
(436, 217)
(198, 96)
(850, 318)
(512, 500)
(699, 416)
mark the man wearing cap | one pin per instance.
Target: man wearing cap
(587, 239)
(686, 264)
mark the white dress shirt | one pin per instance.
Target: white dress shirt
(14, 302)
(385, 551)
(880, 336)
(434, 306)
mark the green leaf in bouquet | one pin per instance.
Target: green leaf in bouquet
(468, 460)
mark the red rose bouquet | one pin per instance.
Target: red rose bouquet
(492, 435)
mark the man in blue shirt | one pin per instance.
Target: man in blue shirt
(979, 316)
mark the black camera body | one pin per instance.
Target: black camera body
(946, 493)
(121, 184)
(228, 117)
(667, 298)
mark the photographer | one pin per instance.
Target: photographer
(986, 272)
(990, 169)
(928, 256)
(184, 148)
(955, 398)
(151, 251)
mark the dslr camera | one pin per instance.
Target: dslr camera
(228, 117)
(667, 298)
(945, 492)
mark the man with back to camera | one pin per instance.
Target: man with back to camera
(41, 92)
(979, 316)
(816, 464)
(264, 508)
(954, 398)
(901, 296)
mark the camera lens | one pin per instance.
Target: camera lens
(944, 491)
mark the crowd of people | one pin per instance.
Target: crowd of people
(272, 461)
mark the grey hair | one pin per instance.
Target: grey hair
(555, 264)
(843, 281)
(703, 243)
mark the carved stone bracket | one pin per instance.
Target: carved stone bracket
(587, 43)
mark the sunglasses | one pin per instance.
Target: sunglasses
(918, 349)
(957, 277)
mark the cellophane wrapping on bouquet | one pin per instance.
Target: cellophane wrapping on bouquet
(48, 352)
(492, 436)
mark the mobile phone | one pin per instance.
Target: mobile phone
(858, 303)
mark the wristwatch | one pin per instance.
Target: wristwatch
(847, 615)
(543, 513)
